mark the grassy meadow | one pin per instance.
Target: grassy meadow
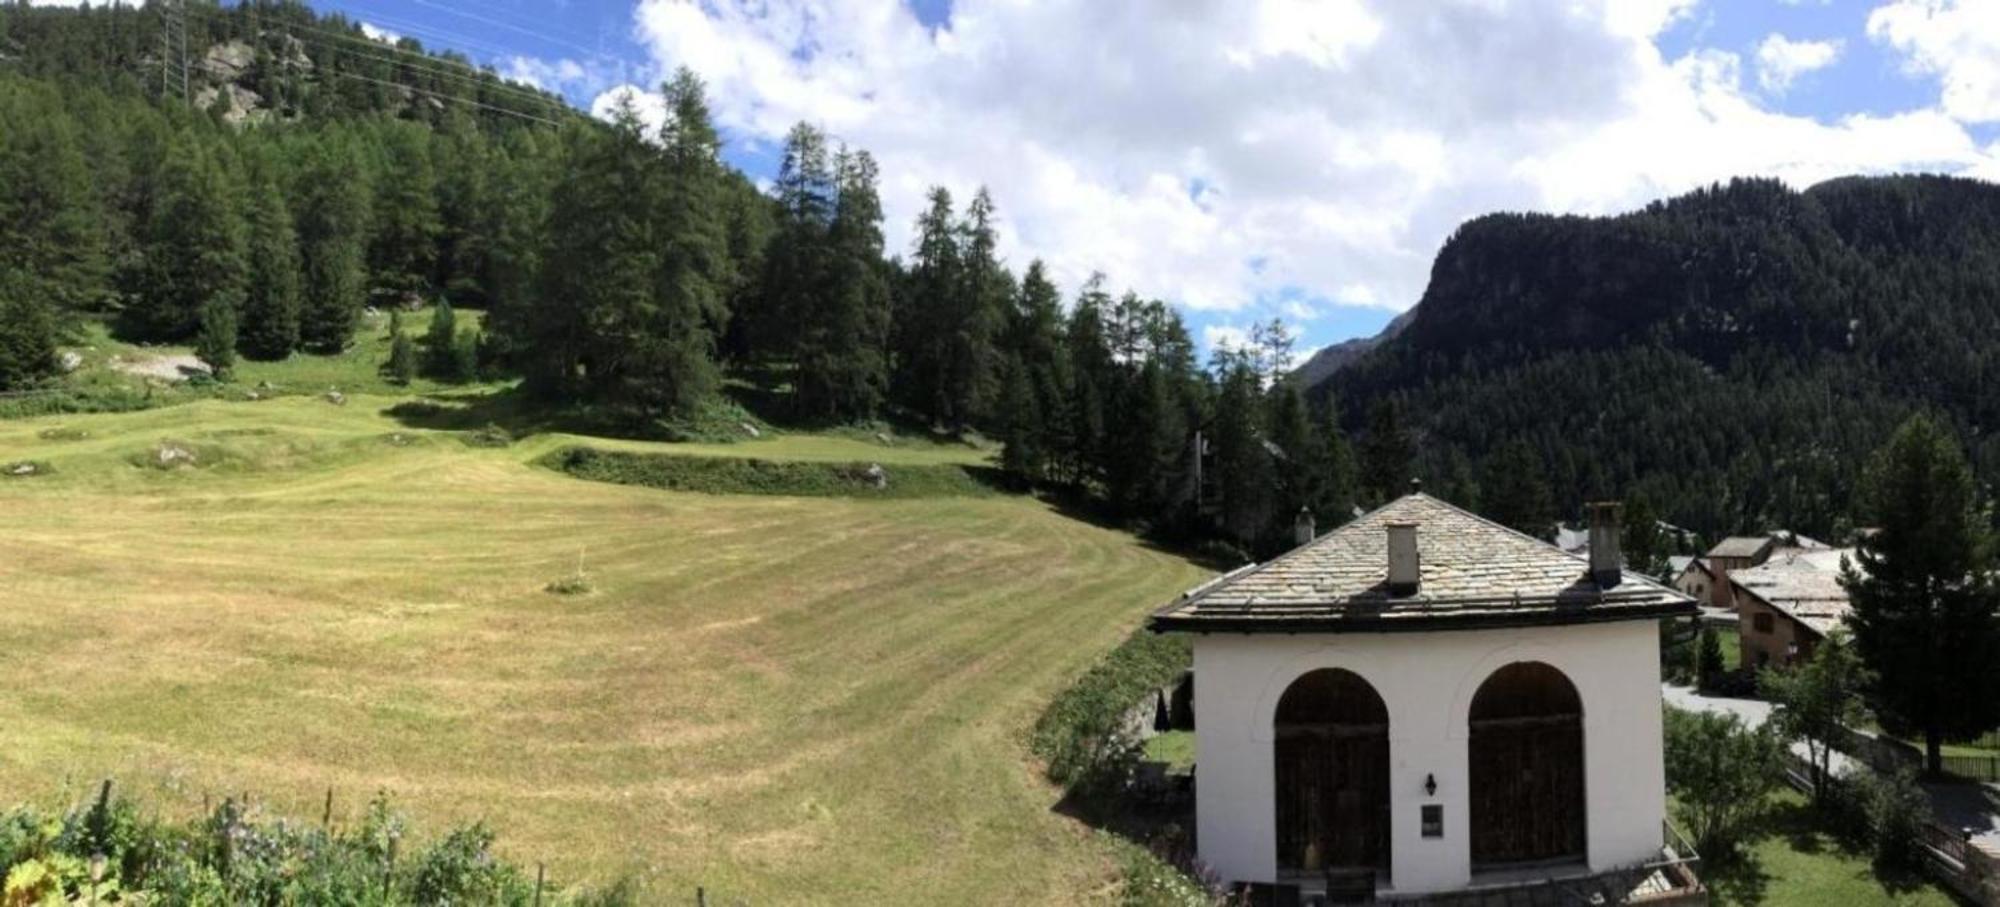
(785, 700)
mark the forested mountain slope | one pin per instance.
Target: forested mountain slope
(1731, 354)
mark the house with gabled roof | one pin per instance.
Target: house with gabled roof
(1424, 704)
(1789, 604)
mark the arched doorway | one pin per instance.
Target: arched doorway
(1526, 759)
(1331, 748)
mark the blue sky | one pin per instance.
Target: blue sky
(1301, 159)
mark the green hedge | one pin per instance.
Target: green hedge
(734, 475)
(1078, 734)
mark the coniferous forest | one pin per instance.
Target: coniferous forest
(1727, 357)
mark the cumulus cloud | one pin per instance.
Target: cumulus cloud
(1259, 157)
(379, 33)
(1956, 40)
(1781, 60)
(587, 79)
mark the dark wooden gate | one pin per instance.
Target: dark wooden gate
(1526, 768)
(1331, 754)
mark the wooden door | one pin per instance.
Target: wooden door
(1525, 768)
(1333, 798)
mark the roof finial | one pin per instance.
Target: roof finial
(1416, 486)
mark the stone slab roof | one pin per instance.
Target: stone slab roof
(1474, 573)
(1803, 583)
(1741, 546)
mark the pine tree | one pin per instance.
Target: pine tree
(1515, 489)
(927, 334)
(695, 267)
(51, 237)
(841, 355)
(465, 164)
(1339, 474)
(403, 247)
(194, 249)
(402, 365)
(1297, 460)
(974, 316)
(270, 316)
(440, 343)
(1923, 592)
(1645, 546)
(1386, 454)
(797, 262)
(27, 335)
(1019, 423)
(1242, 470)
(215, 343)
(332, 222)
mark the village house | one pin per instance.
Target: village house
(1692, 577)
(1423, 703)
(1786, 605)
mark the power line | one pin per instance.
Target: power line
(371, 49)
(541, 33)
(447, 96)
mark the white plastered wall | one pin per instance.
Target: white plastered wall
(1427, 679)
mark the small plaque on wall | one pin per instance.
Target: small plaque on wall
(1433, 820)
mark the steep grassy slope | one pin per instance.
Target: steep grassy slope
(786, 700)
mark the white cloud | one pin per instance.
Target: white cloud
(1225, 337)
(1956, 40)
(1781, 60)
(1220, 154)
(559, 75)
(380, 34)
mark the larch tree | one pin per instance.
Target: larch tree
(841, 355)
(269, 327)
(332, 217)
(796, 263)
(404, 244)
(194, 250)
(1923, 592)
(215, 340)
(926, 332)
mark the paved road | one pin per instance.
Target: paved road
(1972, 808)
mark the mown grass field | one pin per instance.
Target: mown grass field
(785, 700)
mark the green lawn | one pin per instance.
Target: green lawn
(1176, 748)
(1732, 648)
(1793, 862)
(785, 700)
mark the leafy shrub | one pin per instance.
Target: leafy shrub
(1080, 734)
(1894, 810)
(731, 475)
(1151, 880)
(1721, 773)
(234, 856)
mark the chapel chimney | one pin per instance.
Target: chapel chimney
(1607, 559)
(1304, 527)
(1405, 568)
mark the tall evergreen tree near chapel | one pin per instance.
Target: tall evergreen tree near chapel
(1924, 594)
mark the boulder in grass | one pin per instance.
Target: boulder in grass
(173, 455)
(751, 430)
(336, 398)
(885, 440)
(876, 475)
(25, 469)
(70, 361)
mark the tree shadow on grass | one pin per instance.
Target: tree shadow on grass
(1736, 877)
(521, 415)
